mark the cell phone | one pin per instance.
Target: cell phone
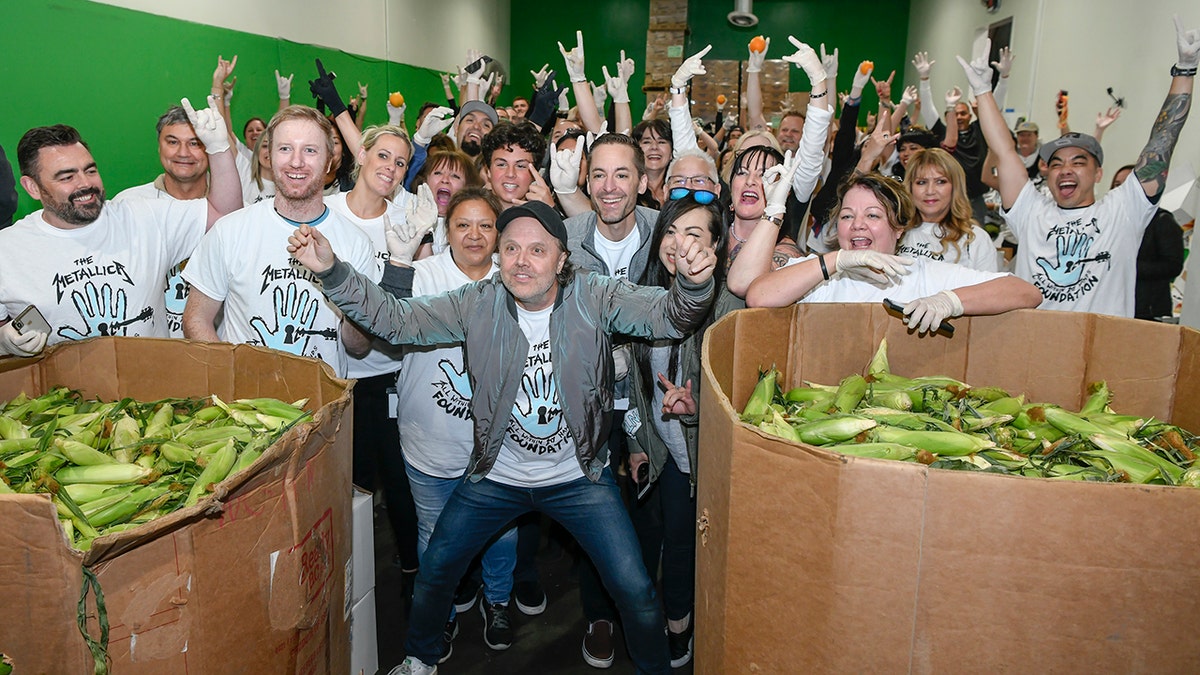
(29, 319)
(897, 310)
(642, 478)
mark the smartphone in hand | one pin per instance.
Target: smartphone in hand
(31, 319)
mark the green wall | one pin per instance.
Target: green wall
(865, 29)
(110, 72)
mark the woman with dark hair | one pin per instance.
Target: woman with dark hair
(748, 202)
(663, 423)
(446, 171)
(654, 137)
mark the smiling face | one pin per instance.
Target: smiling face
(299, 159)
(862, 223)
(181, 153)
(694, 225)
(932, 191)
(384, 164)
(1027, 142)
(520, 106)
(1072, 174)
(471, 130)
(614, 184)
(509, 174)
(444, 180)
(694, 173)
(791, 128)
(530, 260)
(254, 129)
(962, 113)
(656, 149)
(906, 150)
(746, 187)
(471, 229)
(68, 185)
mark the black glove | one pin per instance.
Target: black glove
(545, 102)
(326, 93)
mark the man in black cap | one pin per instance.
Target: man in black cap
(1082, 253)
(539, 425)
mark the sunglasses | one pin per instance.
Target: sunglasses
(702, 197)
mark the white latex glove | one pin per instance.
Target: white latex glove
(978, 71)
(729, 122)
(362, 91)
(909, 97)
(860, 80)
(564, 103)
(574, 58)
(807, 59)
(476, 78)
(953, 96)
(621, 357)
(403, 239)
(625, 68)
(927, 314)
(830, 63)
(616, 86)
(691, 67)
(873, 267)
(436, 121)
(777, 182)
(1004, 65)
(1188, 43)
(599, 95)
(564, 168)
(29, 343)
(284, 84)
(923, 64)
(209, 126)
(539, 77)
(396, 114)
(755, 62)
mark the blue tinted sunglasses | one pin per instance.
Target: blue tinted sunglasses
(702, 197)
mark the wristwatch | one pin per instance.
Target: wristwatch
(778, 220)
(678, 90)
(1176, 71)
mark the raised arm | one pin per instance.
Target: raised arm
(1011, 170)
(325, 91)
(1105, 119)
(683, 136)
(219, 91)
(1152, 164)
(284, 86)
(225, 187)
(584, 101)
(618, 89)
(754, 102)
(929, 111)
(1004, 67)
(755, 257)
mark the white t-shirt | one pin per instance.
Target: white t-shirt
(926, 277)
(617, 254)
(1082, 259)
(269, 298)
(434, 391)
(538, 449)
(926, 242)
(383, 357)
(105, 278)
(175, 289)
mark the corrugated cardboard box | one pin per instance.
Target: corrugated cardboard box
(815, 562)
(251, 580)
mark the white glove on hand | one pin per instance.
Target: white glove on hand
(807, 59)
(599, 96)
(29, 343)
(539, 77)
(978, 71)
(1188, 43)
(618, 86)
(284, 84)
(873, 267)
(209, 126)
(923, 65)
(564, 168)
(691, 67)
(909, 97)
(403, 239)
(396, 114)
(436, 121)
(564, 103)
(927, 314)
(1004, 65)
(621, 357)
(953, 97)
(777, 182)
(860, 80)
(830, 63)
(755, 62)
(729, 123)
(574, 59)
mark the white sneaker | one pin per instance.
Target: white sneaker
(413, 666)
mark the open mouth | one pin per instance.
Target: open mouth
(748, 197)
(1067, 188)
(860, 243)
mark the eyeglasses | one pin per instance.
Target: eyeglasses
(702, 197)
(698, 182)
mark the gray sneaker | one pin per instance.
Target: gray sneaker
(413, 666)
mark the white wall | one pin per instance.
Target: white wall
(1083, 46)
(429, 33)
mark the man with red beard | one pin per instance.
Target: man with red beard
(242, 266)
(93, 268)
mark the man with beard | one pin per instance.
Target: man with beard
(241, 267)
(93, 268)
(475, 120)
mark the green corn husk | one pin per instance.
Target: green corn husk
(893, 451)
(951, 443)
(850, 393)
(834, 429)
(760, 398)
(216, 471)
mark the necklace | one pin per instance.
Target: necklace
(733, 233)
(298, 223)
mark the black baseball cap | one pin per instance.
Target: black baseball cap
(540, 212)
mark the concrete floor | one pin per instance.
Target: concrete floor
(548, 643)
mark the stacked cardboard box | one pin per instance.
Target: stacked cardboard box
(808, 561)
(250, 580)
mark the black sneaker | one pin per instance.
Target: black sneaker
(465, 596)
(448, 635)
(680, 645)
(530, 597)
(497, 632)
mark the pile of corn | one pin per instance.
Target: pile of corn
(113, 466)
(947, 424)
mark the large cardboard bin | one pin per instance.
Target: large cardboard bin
(812, 562)
(251, 580)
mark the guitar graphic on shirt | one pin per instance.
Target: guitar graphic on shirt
(103, 312)
(294, 316)
(1072, 251)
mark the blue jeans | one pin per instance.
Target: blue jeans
(591, 512)
(430, 495)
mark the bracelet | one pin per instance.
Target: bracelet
(823, 94)
(824, 269)
(1176, 71)
(678, 90)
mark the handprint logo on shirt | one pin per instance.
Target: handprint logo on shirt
(104, 312)
(295, 312)
(176, 293)
(1072, 251)
(459, 382)
(537, 404)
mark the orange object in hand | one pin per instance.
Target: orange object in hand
(396, 99)
(758, 44)
(721, 99)
(866, 67)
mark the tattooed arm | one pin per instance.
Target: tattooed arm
(1152, 164)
